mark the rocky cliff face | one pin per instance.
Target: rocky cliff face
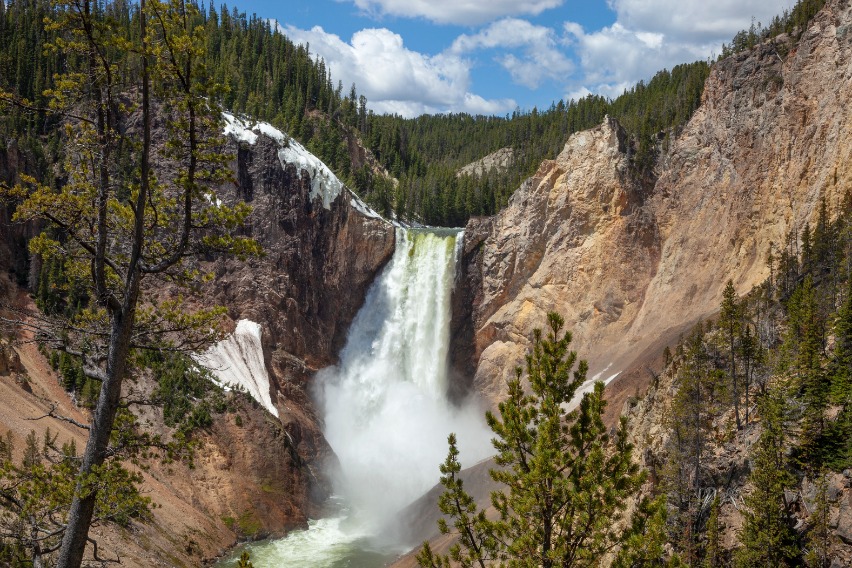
(631, 267)
(14, 257)
(320, 257)
(318, 261)
(501, 160)
(575, 238)
(255, 474)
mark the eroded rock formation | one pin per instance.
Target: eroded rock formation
(631, 267)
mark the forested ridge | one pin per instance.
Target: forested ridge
(268, 77)
(426, 152)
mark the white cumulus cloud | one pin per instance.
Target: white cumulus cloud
(541, 54)
(394, 78)
(614, 58)
(651, 35)
(696, 21)
(646, 36)
(464, 12)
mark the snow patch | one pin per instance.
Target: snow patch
(365, 209)
(324, 184)
(589, 386)
(268, 130)
(238, 362)
(211, 198)
(239, 129)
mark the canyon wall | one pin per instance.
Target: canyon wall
(631, 267)
(317, 265)
(253, 475)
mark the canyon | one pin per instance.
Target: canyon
(630, 261)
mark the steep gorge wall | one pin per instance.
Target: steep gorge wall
(254, 475)
(574, 238)
(304, 291)
(631, 267)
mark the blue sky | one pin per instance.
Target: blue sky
(489, 57)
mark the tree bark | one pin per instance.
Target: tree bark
(122, 318)
(83, 505)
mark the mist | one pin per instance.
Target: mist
(385, 406)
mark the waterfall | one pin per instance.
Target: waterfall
(386, 411)
(385, 405)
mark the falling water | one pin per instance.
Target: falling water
(386, 411)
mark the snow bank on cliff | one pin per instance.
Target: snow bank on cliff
(237, 362)
(324, 184)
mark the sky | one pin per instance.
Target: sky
(414, 57)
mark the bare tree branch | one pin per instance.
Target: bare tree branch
(52, 414)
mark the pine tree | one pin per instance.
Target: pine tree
(645, 545)
(824, 242)
(34, 494)
(841, 362)
(566, 481)
(804, 342)
(819, 533)
(749, 349)
(6, 448)
(688, 424)
(730, 322)
(122, 227)
(807, 250)
(767, 536)
(713, 550)
(32, 454)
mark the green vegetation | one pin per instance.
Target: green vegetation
(247, 525)
(112, 226)
(425, 153)
(266, 76)
(36, 494)
(783, 348)
(567, 481)
(185, 391)
(794, 22)
(245, 560)
(767, 537)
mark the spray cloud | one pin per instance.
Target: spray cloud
(386, 412)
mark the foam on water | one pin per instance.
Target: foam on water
(337, 541)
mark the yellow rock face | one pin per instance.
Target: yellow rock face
(629, 266)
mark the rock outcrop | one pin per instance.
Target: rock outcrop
(576, 238)
(631, 267)
(319, 260)
(500, 161)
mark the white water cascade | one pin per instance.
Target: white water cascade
(386, 411)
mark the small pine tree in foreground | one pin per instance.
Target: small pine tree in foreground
(245, 560)
(768, 538)
(566, 481)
